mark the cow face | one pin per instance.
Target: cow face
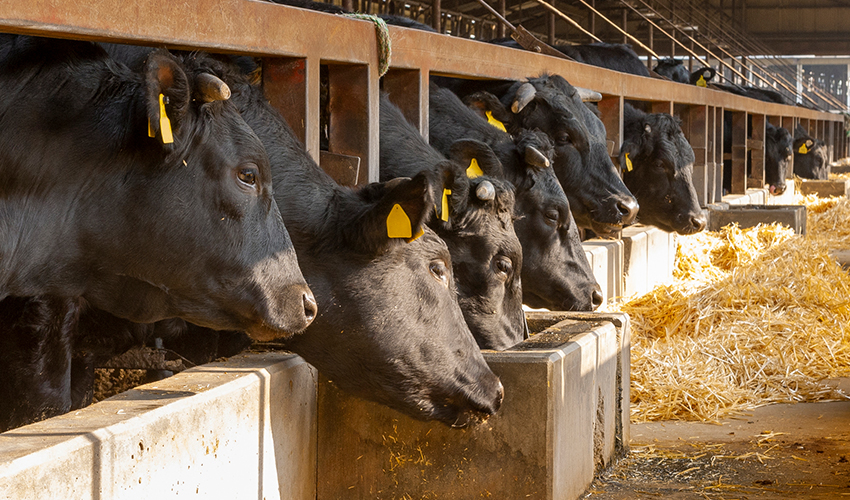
(778, 154)
(658, 165)
(389, 327)
(486, 254)
(166, 192)
(598, 198)
(810, 156)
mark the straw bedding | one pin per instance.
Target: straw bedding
(753, 317)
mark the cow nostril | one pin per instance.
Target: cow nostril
(310, 307)
(596, 298)
(698, 222)
(628, 209)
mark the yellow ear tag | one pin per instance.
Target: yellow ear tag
(474, 170)
(444, 212)
(629, 166)
(398, 224)
(803, 150)
(164, 122)
(150, 129)
(701, 82)
(494, 122)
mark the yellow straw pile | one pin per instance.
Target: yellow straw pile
(754, 317)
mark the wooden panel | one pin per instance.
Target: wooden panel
(695, 129)
(404, 87)
(755, 178)
(611, 109)
(353, 106)
(718, 153)
(739, 152)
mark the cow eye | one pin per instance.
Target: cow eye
(440, 272)
(248, 175)
(503, 266)
(552, 216)
(563, 138)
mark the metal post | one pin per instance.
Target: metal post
(436, 15)
(551, 22)
(739, 152)
(625, 25)
(501, 27)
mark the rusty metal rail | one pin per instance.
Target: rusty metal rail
(297, 43)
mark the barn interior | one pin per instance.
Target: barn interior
(591, 439)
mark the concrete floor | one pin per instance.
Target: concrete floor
(780, 451)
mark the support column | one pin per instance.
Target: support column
(739, 152)
(694, 126)
(611, 109)
(755, 145)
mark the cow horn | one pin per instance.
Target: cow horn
(485, 191)
(588, 95)
(535, 158)
(524, 94)
(210, 88)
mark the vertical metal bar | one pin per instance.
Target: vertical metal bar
(652, 47)
(436, 15)
(625, 25)
(348, 5)
(550, 18)
(755, 178)
(611, 109)
(593, 17)
(501, 27)
(739, 152)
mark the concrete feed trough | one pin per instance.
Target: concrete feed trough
(266, 426)
(838, 187)
(565, 416)
(793, 216)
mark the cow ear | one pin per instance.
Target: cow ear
(489, 107)
(167, 95)
(464, 151)
(399, 215)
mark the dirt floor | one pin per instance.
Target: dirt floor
(780, 451)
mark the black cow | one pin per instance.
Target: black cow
(555, 271)
(477, 225)
(777, 156)
(811, 158)
(108, 205)
(143, 227)
(389, 326)
(658, 165)
(599, 199)
(758, 93)
(675, 70)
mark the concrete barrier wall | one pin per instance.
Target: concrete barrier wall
(241, 429)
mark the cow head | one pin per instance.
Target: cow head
(166, 193)
(702, 76)
(658, 165)
(598, 198)
(778, 154)
(673, 69)
(486, 253)
(810, 156)
(389, 326)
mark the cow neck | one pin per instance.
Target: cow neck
(308, 198)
